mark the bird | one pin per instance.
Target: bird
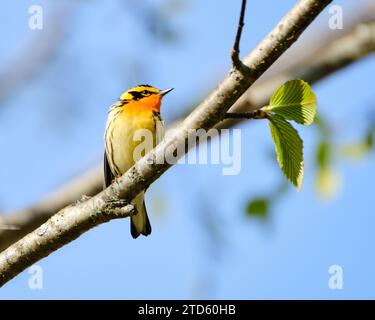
(137, 111)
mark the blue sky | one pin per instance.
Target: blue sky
(203, 245)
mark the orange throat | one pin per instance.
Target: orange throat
(151, 103)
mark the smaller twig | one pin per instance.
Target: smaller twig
(235, 54)
(257, 114)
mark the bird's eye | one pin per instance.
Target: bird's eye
(145, 92)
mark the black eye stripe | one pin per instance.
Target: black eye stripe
(136, 95)
(140, 94)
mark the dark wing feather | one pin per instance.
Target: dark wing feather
(108, 175)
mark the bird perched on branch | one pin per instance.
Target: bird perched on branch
(135, 116)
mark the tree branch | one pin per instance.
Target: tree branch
(359, 44)
(72, 221)
(27, 220)
(235, 54)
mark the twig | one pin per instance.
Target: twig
(235, 54)
(71, 222)
(257, 114)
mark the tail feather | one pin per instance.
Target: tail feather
(139, 223)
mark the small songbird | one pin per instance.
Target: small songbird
(137, 110)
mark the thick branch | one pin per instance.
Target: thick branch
(14, 226)
(309, 69)
(72, 221)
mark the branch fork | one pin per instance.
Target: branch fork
(235, 54)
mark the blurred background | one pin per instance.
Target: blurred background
(214, 237)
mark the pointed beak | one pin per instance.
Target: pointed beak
(164, 92)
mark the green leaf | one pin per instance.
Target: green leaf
(258, 207)
(294, 100)
(288, 146)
